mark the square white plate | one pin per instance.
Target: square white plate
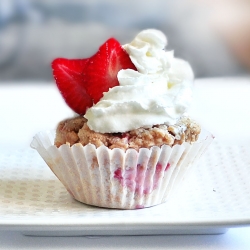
(214, 198)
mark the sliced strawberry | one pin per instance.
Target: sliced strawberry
(82, 82)
(101, 70)
(69, 80)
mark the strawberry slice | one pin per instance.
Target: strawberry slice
(82, 82)
(68, 76)
(101, 70)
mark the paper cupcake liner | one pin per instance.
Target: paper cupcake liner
(116, 179)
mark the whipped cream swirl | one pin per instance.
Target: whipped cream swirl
(160, 92)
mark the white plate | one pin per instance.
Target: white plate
(214, 198)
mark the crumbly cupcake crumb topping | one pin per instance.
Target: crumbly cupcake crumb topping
(76, 130)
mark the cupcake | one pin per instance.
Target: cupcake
(130, 141)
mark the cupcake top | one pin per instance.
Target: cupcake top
(159, 92)
(150, 87)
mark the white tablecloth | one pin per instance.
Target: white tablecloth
(221, 105)
(234, 239)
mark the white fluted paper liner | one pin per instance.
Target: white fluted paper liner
(117, 179)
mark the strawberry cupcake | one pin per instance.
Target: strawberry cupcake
(130, 142)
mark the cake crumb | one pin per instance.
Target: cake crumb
(76, 130)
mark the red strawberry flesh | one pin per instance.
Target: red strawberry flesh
(102, 68)
(82, 82)
(68, 77)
